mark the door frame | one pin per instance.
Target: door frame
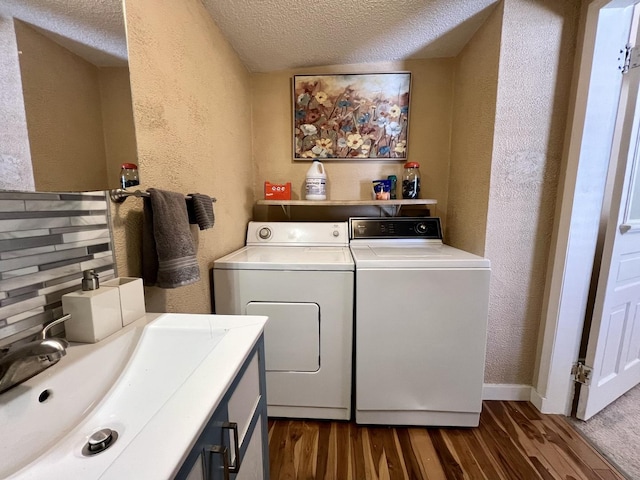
(582, 187)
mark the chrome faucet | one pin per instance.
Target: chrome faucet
(32, 358)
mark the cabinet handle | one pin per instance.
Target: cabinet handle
(236, 445)
(219, 450)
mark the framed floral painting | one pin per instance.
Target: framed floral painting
(352, 116)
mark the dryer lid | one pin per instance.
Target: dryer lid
(287, 258)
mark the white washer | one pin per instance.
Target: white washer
(420, 324)
(301, 276)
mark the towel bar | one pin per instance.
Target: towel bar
(119, 195)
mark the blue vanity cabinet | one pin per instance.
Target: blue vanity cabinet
(234, 443)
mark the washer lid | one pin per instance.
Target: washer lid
(413, 255)
(287, 258)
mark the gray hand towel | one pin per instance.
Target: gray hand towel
(149, 252)
(176, 256)
(200, 208)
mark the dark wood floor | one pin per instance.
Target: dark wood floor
(513, 441)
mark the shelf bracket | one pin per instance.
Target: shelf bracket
(393, 212)
(287, 210)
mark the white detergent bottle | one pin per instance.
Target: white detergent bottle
(316, 182)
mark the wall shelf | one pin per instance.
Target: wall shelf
(396, 205)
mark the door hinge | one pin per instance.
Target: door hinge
(581, 373)
(630, 58)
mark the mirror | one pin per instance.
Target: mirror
(66, 107)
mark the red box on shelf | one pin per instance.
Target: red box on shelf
(273, 191)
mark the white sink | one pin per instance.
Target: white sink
(167, 375)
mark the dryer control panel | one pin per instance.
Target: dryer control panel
(300, 234)
(397, 227)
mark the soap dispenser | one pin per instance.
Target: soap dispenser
(90, 280)
(95, 312)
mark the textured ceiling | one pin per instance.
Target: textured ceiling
(279, 34)
(93, 29)
(271, 35)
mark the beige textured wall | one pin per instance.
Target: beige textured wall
(192, 112)
(429, 133)
(474, 109)
(536, 59)
(15, 158)
(117, 121)
(62, 104)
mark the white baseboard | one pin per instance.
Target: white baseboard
(506, 391)
(549, 406)
(537, 400)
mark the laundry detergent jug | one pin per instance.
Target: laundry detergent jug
(316, 182)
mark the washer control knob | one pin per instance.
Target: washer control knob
(264, 233)
(421, 227)
(336, 233)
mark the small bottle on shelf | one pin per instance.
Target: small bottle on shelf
(129, 175)
(411, 181)
(393, 180)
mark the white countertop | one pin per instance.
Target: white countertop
(159, 448)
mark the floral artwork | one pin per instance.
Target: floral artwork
(354, 116)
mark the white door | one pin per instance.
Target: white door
(613, 350)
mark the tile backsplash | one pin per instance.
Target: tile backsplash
(46, 241)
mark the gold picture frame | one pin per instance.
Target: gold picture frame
(361, 116)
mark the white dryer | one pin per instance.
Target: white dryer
(420, 324)
(301, 275)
